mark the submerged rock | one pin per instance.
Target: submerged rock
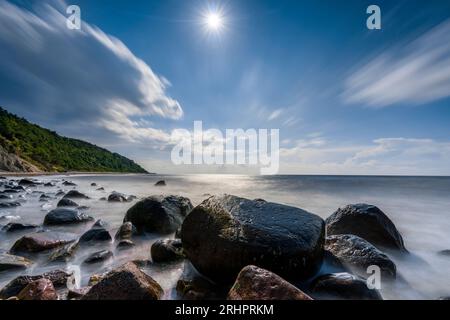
(69, 184)
(13, 227)
(127, 282)
(444, 253)
(119, 197)
(12, 262)
(100, 224)
(59, 279)
(254, 283)
(7, 205)
(126, 231)
(98, 257)
(5, 197)
(74, 194)
(42, 241)
(167, 251)
(93, 184)
(159, 214)
(95, 234)
(343, 286)
(358, 254)
(62, 216)
(368, 222)
(224, 234)
(65, 202)
(160, 183)
(27, 182)
(125, 245)
(41, 289)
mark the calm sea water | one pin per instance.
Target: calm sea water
(419, 207)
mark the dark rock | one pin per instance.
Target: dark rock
(64, 202)
(42, 241)
(118, 197)
(342, 286)
(93, 184)
(11, 262)
(76, 294)
(167, 251)
(100, 224)
(9, 191)
(65, 253)
(178, 233)
(125, 245)
(159, 214)
(224, 234)
(41, 289)
(254, 283)
(60, 193)
(74, 194)
(62, 216)
(160, 183)
(98, 257)
(444, 298)
(357, 254)
(6, 205)
(59, 279)
(103, 199)
(69, 184)
(49, 184)
(44, 197)
(101, 189)
(126, 231)
(13, 227)
(444, 253)
(125, 283)
(27, 182)
(96, 234)
(2, 178)
(368, 222)
(5, 197)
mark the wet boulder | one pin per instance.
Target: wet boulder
(368, 222)
(64, 253)
(27, 183)
(12, 262)
(62, 216)
(14, 227)
(95, 234)
(126, 231)
(444, 253)
(127, 282)
(98, 257)
(159, 214)
(93, 184)
(74, 194)
(357, 254)
(65, 202)
(9, 205)
(44, 198)
(125, 245)
(41, 289)
(42, 241)
(69, 184)
(342, 286)
(160, 183)
(226, 233)
(254, 283)
(118, 197)
(167, 251)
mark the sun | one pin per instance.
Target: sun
(214, 21)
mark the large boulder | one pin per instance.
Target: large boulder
(42, 241)
(159, 214)
(226, 233)
(357, 254)
(126, 231)
(12, 262)
(119, 197)
(62, 216)
(41, 289)
(167, 251)
(127, 282)
(254, 283)
(59, 279)
(342, 286)
(95, 234)
(74, 194)
(66, 202)
(367, 222)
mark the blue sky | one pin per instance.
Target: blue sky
(347, 100)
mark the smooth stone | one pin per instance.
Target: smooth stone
(127, 282)
(49, 184)
(159, 214)
(96, 234)
(64, 202)
(13, 227)
(254, 283)
(44, 197)
(357, 254)
(167, 251)
(12, 262)
(118, 197)
(93, 184)
(42, 241)
(69, 184)
(26, 182)
(226, 233)
(98, 257)
(41, 289)
(74, 194)
(160, 183)
(342, 286)
(62, 216)
(100, 189)
(126, 231)
(367, 222)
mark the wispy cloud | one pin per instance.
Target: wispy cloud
(275, 114)
(77, 81)
(414, 74)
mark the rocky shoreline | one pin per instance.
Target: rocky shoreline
(231, 247)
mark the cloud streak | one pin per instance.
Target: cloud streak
(415, 74)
